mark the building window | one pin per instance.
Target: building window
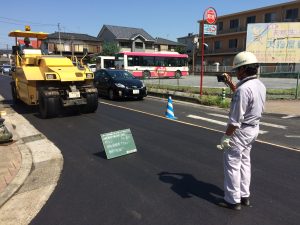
(291, 14)
(139, 45)
(148, 46)
(92, 48)
(250, 19)
(270, 17)
(163, 47)
(60, 47)
(234, 23)
(51, 47)
(217, 45)
(125, 44)
(67, 47)
(171, 48)
(78, 48)
(220, 26)
(233, 43)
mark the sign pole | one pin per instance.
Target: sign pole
(210, 16)
(202, 57)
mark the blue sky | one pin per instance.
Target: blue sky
(168, 19)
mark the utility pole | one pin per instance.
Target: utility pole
(59, 38)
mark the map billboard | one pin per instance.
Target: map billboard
(274, 42)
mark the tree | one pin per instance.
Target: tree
(180, 49)
(110, 48)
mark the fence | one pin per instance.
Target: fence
(284, 86)
(280, 68)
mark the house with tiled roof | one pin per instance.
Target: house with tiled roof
(72, 44)
(135, 39)
(162, 44)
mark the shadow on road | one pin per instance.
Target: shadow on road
(187, 186)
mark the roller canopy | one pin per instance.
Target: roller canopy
(29, 34)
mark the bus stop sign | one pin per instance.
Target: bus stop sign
(210, 15)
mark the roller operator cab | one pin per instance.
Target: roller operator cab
(50, 81)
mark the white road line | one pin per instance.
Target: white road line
(288, 116)
(216, 121)
(261, 123)
(292, 136)
(207, 119)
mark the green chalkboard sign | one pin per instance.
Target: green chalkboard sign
(118, 143)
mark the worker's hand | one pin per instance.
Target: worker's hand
(225, 142)
(227, 78)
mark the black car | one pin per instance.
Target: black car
(119, 84)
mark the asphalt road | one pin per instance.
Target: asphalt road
(176, 176)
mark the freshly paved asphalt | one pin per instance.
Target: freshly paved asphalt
(176, 177)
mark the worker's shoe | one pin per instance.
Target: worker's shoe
(228, 205)
(245, 201)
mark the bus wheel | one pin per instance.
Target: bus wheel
(146, 74)
(177, 74)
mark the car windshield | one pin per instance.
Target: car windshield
(6, 66)
(120, 74)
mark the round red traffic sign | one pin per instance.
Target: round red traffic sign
(210, 15)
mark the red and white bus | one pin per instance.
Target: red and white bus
(153, 64)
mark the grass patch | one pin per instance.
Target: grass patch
(213, 96)
(214, 101)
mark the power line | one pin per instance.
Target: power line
(24, 22)
(11, 23)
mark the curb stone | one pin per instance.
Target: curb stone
(40, 170)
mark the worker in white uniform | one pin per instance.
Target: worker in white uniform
(242, 129)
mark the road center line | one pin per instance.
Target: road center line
(261, 123)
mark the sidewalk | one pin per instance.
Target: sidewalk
(285, 107)
(10, 163)
(30, 168)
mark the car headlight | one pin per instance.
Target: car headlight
(89, 76)
(120, 85)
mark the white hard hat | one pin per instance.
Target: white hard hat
(244, 58)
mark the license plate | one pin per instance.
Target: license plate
(135, 91)
(74, 94)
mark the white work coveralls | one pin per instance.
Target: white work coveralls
(246, 109)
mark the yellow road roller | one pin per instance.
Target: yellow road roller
(50, 81)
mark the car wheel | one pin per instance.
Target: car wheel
(48, 106)
(111, 94)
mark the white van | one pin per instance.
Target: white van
(6, 68)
